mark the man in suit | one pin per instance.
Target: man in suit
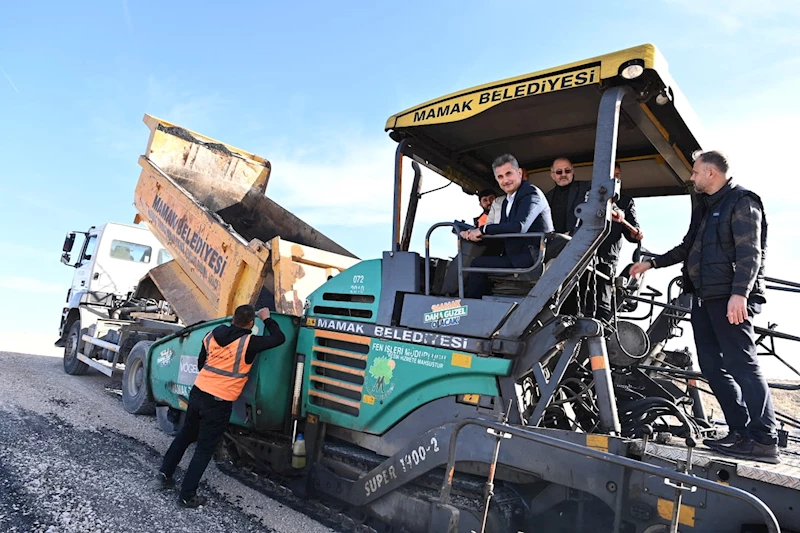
(524, 210)
(566, 195)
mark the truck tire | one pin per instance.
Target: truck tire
(136, 397)
(72, 365)
(170, 420)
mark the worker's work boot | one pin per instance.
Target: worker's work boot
(163, 482)
(747, 448)
(193, 502)
(728, 440)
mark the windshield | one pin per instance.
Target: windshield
(130, 251)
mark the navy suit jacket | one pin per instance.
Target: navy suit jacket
(530, 213)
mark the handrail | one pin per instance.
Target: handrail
(428, 258)
(677, 477)
(539, 259)
(783, 282)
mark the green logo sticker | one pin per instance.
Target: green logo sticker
(380, 377)
(446, 314)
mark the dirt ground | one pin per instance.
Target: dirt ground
(786, 402)
(72, 460)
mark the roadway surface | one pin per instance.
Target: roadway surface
(72, 460)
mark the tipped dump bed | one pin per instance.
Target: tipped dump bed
(205, 201)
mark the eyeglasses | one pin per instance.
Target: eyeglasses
(565, 171)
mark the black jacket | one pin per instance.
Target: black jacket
(609, 249)
(612, 245)
(725, 248)
(226, 334)
(576, 195)
(530, 213)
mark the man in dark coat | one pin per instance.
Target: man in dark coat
(524, 210)
(563, 199)
(565, 196)
(608, 253)
(723, 256)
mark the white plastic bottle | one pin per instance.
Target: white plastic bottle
(299, 452)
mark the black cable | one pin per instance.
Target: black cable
(640, 412)
(449, 183)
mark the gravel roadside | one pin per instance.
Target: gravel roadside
(72, 460)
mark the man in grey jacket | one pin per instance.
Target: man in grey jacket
(723, 255)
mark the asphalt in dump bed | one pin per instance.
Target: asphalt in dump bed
(91, 481)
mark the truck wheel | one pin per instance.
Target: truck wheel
(72, 365)
(170, 420)
(136, 396)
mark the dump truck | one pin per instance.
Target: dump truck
(421, 409)
(205, 202)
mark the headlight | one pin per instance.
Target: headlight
(632, 69)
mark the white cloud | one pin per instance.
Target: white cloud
(25, 284)
(353, 190)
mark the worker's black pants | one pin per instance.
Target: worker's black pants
(206, 421)
(594, 294)
(727, 356)
(601, 291)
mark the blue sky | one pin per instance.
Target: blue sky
(309, 86)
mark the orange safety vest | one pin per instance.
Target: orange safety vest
(482, 219)
(224, 373)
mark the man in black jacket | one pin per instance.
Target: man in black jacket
(608, 252)
(566, 195)
(723, 255)
(563, 199)
(208, 414)
(524, 210)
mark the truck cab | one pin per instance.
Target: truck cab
(108, 264)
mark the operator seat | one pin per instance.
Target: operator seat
(517, 284)
(469, 251)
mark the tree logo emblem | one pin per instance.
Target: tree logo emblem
(380, 374)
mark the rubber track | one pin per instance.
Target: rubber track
(333, 518)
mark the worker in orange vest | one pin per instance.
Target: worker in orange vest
(485, 198)
(227, 354)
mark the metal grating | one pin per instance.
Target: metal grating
(786, 474)
(338, 367)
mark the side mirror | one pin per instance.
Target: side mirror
(69, 242)
(65, 258)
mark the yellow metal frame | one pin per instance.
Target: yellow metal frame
(607, 66)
